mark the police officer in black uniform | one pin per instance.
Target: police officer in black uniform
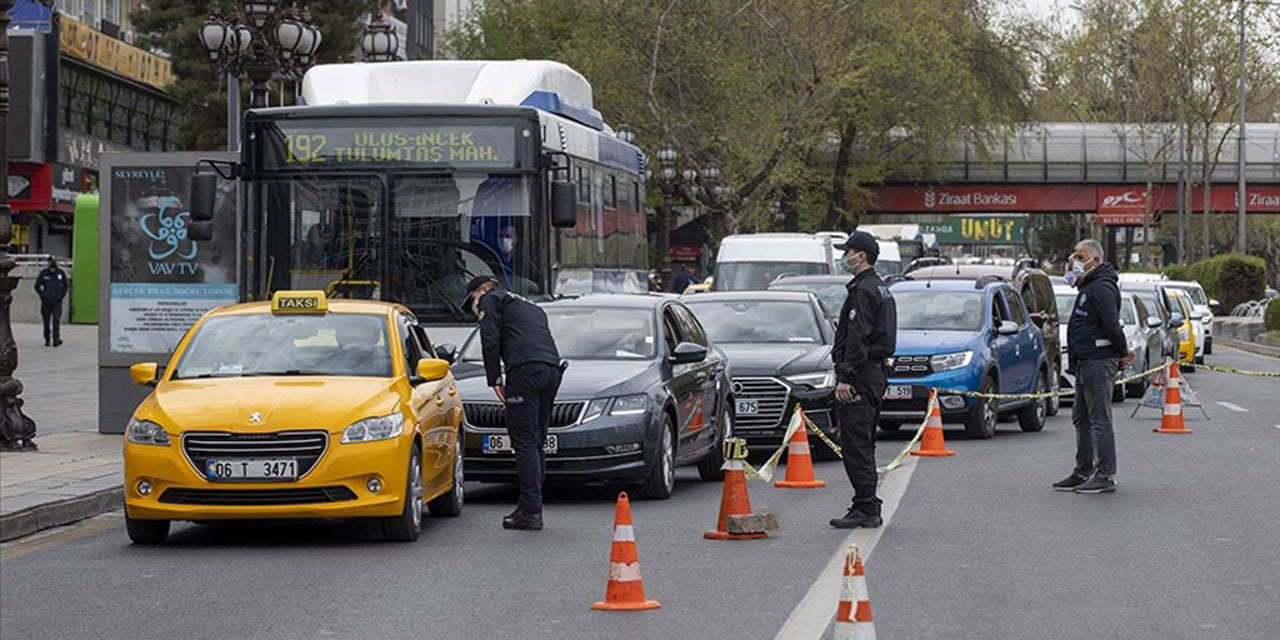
(51, 286)
(514, 335)
(866, 334)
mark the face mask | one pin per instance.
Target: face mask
(506, 244)
(843, 264)
(1071, 278)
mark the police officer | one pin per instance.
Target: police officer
(866, 334)
(514, 335)
(51, 286)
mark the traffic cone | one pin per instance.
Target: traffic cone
(933, 444)
(799, 464)
(1171, 421)
(853, 614)
(625, 591)
(733, 502)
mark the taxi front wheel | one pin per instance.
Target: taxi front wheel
(407, 526)
(146, 531)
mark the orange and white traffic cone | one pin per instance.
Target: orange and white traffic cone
(734, 501)
(932, 443)
(1171, 421)
(853, 615)
(625, 591)
(799, 464)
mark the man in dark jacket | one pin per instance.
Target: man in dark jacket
(51, 286)
(514, 335)
(1096, 350)
(866, 334)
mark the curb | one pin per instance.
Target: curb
(59, 513)
(1251, 347)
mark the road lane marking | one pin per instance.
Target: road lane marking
(1234, 407)
(811, 617)
(53, 537)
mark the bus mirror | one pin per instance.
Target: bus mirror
(203, 191)
(564, 204)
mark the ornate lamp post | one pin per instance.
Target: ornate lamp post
(259, 40)
(669, 183)
(17, 431)
(379, 42)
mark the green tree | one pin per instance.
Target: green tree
(174, 25)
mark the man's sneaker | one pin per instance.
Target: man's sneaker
(1069, 484)
(523, 521)
(855, 518)
(1097, 484)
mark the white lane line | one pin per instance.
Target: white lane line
(1234, 407)
(811, 617)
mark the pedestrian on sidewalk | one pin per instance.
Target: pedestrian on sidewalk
(1096, 351)
(866, 334)
(51, 286)
(514, 336)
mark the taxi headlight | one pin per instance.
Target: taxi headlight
(595, 409)
(1183, 334)
(146, 432)
(630, 405)
(817, 379)
(949, 361)
(373, 429)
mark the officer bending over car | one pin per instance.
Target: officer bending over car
(866, 334)
(514, 335)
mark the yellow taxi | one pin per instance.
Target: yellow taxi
(1186, 331)
(300, 407)
(697, 287)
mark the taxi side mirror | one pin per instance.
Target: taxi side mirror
(144, 373)
(432, 369)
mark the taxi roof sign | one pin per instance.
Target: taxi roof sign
(284, 302)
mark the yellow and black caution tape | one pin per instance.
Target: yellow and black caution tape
(898, 459)
(1260, 374)
(1047, 394)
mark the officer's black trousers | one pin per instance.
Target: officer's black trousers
(531, 392)
(858, 420)
(51, 313)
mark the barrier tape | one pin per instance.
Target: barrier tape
(1261, 374)
(766, 470)
(1047, 394)
(898, 459)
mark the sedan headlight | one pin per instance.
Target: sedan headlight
(630, 405)
(595, 409)
(373, 429)
(146, 432)
(949, 361)
(817, 379)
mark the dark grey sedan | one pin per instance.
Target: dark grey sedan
(645, 391)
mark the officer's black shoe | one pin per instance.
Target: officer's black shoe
(523, 521)
(57, 343)
(855, 518)
(1097, 484)
(1069, 484)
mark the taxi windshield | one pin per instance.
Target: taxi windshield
(333, 344)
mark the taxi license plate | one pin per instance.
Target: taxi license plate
(748, 407)
(502, 444)
(897, 392)
(252, 469)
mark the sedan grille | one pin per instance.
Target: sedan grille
(910, 367)
(492, 416)
(771, 396)
(305, 446)
(256, 497)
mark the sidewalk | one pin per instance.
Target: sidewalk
(77, 472)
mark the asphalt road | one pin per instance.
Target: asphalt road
(979, 547)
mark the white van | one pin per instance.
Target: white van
(751, 262)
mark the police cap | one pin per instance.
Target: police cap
(860, 241)
(475, 284)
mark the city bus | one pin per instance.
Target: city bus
(400, 181)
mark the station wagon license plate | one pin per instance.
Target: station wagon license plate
(502, 444)
(748, 407)
(897, 392)
(252, 469)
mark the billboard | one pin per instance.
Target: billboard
(977, 229)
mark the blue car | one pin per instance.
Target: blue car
(966, 335)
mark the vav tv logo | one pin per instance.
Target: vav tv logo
(171, 248)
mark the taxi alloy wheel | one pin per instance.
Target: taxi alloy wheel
(449, 504)
(662, 478)
(407, 526)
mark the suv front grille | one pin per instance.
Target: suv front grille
(910, 367)
(490, 415)
(256, 497)
(305, 446)
(771, 396)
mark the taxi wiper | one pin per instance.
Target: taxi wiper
(286, 372)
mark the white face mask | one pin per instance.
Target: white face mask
(507, 244)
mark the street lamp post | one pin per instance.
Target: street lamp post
(668, 182)
(17, 431)
(1241, 200)
(379, 42)
(259, 40)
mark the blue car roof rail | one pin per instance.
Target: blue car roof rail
(983, 281)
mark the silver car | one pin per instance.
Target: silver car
(1144, 334)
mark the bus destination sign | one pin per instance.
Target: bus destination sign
(299, 143)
